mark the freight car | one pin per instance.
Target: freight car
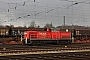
(47, 37)
(8, 34)
(81, 35)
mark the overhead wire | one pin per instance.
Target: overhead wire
(36, 13)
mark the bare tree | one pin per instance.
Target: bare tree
(38, 26)
(49, 25)
(32, 24)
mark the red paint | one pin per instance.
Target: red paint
(57, 35)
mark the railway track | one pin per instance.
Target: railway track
(48, 52)
(58, 56)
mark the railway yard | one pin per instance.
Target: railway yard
(44, 44)
(45, 52)
(43, 30)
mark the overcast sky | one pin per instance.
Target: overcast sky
(16, 12)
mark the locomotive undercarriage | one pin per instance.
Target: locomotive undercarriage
(42, 42)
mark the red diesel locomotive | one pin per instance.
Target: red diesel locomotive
(47, 37)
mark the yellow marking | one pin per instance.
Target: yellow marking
(4, 49)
